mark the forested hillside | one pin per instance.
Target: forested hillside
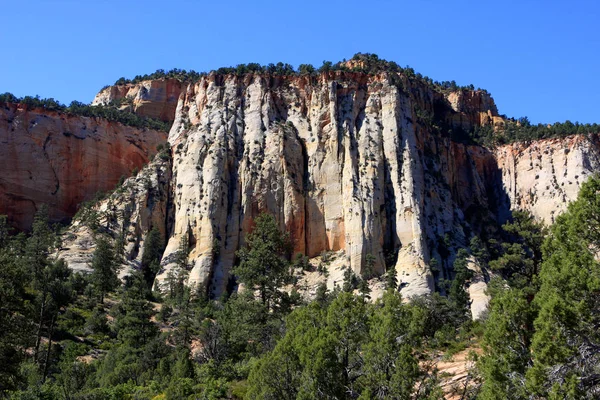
(354, 231)
(71, 336)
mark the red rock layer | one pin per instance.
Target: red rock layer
(62, 160)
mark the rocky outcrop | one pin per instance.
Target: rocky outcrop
(473, 108)
(62, 160)
(345, 161)
(477, 289)
(153, 98)
(545, 175)
(350, 164)
(126, 215)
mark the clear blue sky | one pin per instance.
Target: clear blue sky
(539, 59)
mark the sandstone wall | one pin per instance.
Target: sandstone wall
(348, 163)
(154, 98)
(343, 161)
(62, 160)
(545, 175)
(127, 215)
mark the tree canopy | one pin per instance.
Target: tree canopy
(539, 340)
(264, 260)
(110, 113)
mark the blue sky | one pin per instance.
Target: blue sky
(538, 58)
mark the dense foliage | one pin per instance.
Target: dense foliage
(542, 337)
(367, 63)
(71, 336)
(522, 130)
(110, 113)
(347, 349)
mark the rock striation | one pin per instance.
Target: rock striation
(128, 214)
(63, 160)
(153, 98)
(347, 162)
(350, 164)
(545, 175)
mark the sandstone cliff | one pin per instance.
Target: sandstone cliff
(153, 98)
(545, 175)
(349, 163)
(128, 214)
(63, 160)
(345, 161)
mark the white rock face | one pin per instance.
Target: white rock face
(544, 176)
(130, 212)
(347, 163)
(344, 162)
(477, 289)
(152, 98)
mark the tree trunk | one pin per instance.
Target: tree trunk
(47, 361)
(38, 337)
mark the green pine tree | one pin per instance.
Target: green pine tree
(264, 264)
(391, 370)
(506, 342)
(133, 315)
(457, 294)
(566, 343)
(151, 255)
(16, 319)
(105, 268)
(391, 279)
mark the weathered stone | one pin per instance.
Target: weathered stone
(477, 289)
(545, 175)
(62, 160)
(342, 161)
(126, 215)
(153, 98)
(348, 163)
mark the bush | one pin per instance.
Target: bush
(97, 322)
